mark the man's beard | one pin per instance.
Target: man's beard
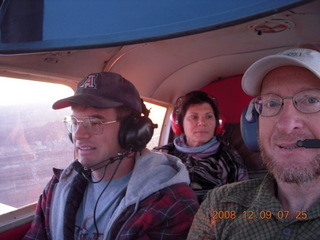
(291, 173)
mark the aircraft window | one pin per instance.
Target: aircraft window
(157, 114)
(33, 139)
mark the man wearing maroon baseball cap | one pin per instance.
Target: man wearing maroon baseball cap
(103, 90)
(116, 188)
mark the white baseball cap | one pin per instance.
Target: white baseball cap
(301, 57)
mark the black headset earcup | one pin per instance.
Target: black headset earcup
(70, 137)
(135, 132)
(249, 125)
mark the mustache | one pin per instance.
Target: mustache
(284, 137)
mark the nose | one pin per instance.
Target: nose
(201, 121)
(81, 132)
(289, 118)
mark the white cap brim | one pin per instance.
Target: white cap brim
(306, 58)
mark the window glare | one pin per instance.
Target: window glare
(33, 139)
(17, 91)
(157, 114)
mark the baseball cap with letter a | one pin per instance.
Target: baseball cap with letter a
(103, 90)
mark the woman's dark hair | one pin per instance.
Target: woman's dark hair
(195, 97)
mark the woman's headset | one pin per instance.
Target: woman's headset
(176, 125)
(177, 129)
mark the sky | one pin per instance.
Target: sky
(13, 91)
(20, 92)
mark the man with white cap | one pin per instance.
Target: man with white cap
(286, 203)
(116, 188)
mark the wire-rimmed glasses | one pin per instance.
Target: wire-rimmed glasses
(93, 125)
(307, 101)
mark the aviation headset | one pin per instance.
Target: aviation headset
(135, 131)
(249, 125)
(176, 117)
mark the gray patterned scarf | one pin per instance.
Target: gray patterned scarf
(202, 151)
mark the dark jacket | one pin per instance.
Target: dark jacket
(158, 203)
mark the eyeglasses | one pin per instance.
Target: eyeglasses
(93, 125)
(269, 105)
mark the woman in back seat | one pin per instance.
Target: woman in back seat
(208, 156)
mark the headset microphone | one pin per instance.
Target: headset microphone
(309, 143)
(84, 171)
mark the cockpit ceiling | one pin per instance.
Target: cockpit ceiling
(166, 69)
(45, 25)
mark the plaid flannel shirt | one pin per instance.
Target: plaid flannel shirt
(166, 214)
(250, 210)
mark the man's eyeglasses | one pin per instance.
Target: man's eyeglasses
(93, 125)
(269, 105)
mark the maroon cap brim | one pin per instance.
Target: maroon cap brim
(86, 100)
